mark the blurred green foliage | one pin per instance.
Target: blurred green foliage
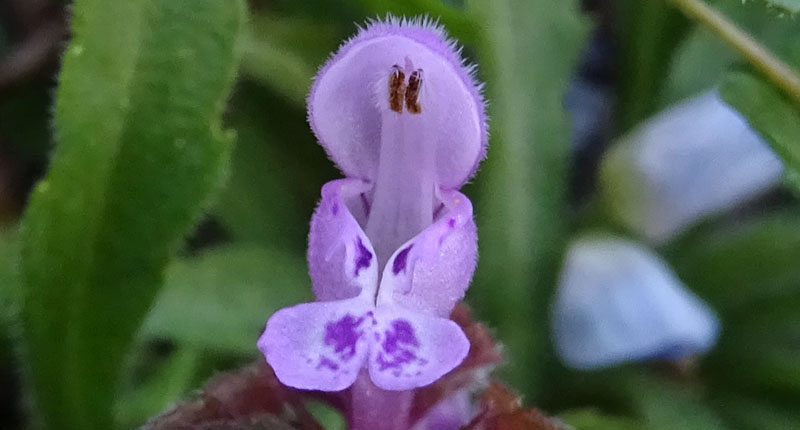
(222, 280)
(140, 150)
(792, 6)
(651, 31)
(527, 54)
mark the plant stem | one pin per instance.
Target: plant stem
(771, 66)
(372, 408)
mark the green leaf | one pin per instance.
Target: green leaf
(261, 175)
(527, 52)
(266, 200)
(140, 149)
(284, 53)
(755, 414)
(650, 32)
(737, 266)
(748, 272)
(769, 112)
(791, 6)
(221, 299)
(758, 353)
(589, 419)
(173, 380)
(460, 25)
(329, 417)
(702, 58)
(663, 405)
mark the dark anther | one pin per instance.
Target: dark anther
(412, 94)
(397, 89)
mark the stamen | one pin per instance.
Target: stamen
(403, 198)
(397, 89)
(412, 95)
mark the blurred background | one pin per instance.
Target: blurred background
(606, 118)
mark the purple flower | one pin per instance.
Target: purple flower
(393, 246)
(452, 413)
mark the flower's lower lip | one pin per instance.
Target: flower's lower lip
(325, 345)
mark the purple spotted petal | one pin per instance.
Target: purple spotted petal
(341, 260)
(412, 350)
(348, 104)
(319, 346)
(431, 272)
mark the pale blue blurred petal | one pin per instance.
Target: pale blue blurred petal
(618, 301)
(695, 159)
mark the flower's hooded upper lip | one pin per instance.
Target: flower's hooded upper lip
(358, 158)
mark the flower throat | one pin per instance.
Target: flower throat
(404, 198)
